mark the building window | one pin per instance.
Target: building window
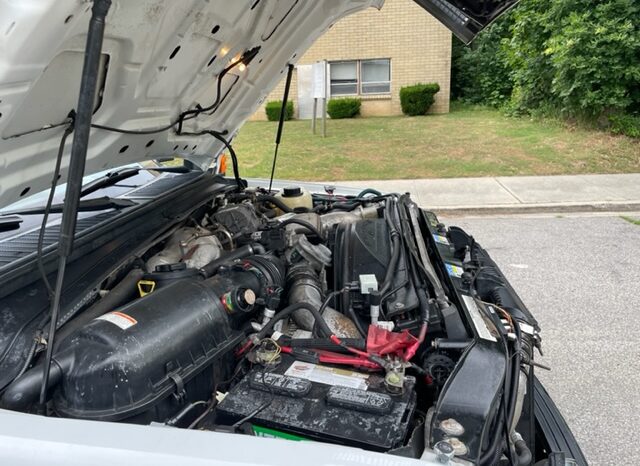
(375, 76)
(344, 78)
(360, 77)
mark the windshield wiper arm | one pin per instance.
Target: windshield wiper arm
(9, 222)
(87, 205)
(115, 177)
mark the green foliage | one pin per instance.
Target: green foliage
(273, 110)
(343, 108)
(629, 125)
(416, 100)
(480, 72)
(570, 58)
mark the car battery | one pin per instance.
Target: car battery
(318, 402)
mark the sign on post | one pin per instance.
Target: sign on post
(319, 91)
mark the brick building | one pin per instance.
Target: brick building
(372, 54)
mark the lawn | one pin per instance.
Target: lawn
(469, 141)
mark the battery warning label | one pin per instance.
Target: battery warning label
(327, 375)
(441, 239)
(122, 320)
(454, 270)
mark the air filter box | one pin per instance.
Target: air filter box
(322, 403)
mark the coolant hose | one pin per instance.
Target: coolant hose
(275, 201)
(286, 312)
(523, 452)
(240, 253)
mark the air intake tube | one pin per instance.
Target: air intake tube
(132, 358)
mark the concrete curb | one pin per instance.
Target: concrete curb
(614, 208)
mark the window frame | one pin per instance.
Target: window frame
(359, 81)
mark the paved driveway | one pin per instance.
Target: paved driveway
(580, 276)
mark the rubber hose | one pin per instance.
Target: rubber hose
(375, 192)
(324, 343)
(287, 311)
(307, 225)
(275, 201)
(25, 390)
(523, 452)
(240, 253)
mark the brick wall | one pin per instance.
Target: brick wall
(417, 44)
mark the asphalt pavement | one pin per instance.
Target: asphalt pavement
(580, 276)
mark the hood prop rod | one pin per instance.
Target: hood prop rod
(84, 112)
(283, 109)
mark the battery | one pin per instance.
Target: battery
(323, 403)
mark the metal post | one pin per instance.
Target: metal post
(313, 117)
(324, 117)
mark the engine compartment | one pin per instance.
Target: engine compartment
(297, 316)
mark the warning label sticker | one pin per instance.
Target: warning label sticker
(454, 270)
(120, 319)
(441, 239)
(328, 375)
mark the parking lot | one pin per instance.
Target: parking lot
(580, 276)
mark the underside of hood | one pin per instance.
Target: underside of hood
(160, 58)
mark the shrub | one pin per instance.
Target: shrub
(273, 110)
(343, 108)
(416, 99)
(629, 125)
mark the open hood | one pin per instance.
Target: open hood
(466, 18)
(159, 59)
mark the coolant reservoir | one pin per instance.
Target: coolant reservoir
(295, 197)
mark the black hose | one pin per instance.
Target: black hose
(24, 391)
(375, 192)
(307, 225)
(240, 253)
(287, 311)
(322, 343)
(275, 201)
(395, 248)
(120, 294)
(523, 452)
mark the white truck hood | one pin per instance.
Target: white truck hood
(160, 58)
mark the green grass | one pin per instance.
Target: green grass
(631, 220)
(469, 141)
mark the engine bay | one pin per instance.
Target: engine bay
(339, 319)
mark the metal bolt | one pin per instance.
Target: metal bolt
(444, 451)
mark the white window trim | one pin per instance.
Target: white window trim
(359, 81)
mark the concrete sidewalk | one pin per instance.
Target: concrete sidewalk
(522, 194)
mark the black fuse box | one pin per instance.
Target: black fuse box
(323, 403)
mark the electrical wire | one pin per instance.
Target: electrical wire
(234, 158)
(45, 218)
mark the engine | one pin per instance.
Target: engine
(315, 317)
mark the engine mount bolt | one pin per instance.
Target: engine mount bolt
(444, 451)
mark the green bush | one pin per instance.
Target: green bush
(416, 99)
(273, 110)
(343, 108)
(629, 125)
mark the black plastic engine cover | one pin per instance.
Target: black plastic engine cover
(363, 248)
(128, 361)
(368, 418)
